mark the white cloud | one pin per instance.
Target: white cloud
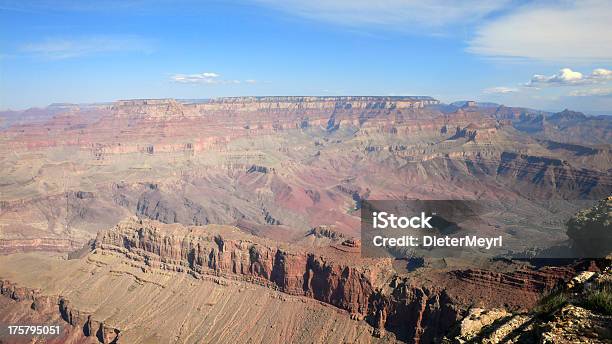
(209, 78)
(602, 73)
(592, 92)
(550, 31)
(63, 48)
(499, 90)
(200, 78)
(568, 77)
(400, 15)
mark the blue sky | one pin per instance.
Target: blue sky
(548, 55)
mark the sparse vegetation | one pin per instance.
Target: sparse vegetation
(600, 299)
(551, 302)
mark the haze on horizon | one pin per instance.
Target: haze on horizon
(550, 56)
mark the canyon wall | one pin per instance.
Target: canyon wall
(83, 325)
(415, 310)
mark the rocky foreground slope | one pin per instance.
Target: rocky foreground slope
(578, 311)
(145, 281)
(142, 274)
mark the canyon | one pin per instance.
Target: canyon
(238, 219)
(150, 259)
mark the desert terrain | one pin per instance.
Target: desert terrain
(238, 219)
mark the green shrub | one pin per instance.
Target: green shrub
(600, 300)
(551, 302)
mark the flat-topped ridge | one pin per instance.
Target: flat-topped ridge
(321, 99)
(273, 99)
(144, 101)
(275, 103)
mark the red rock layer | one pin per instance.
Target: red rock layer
(417, 311)
(76, 318)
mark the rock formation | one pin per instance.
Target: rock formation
(265, 193)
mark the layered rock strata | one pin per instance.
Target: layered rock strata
(416, 311)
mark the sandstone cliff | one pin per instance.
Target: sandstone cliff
(416, 311)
